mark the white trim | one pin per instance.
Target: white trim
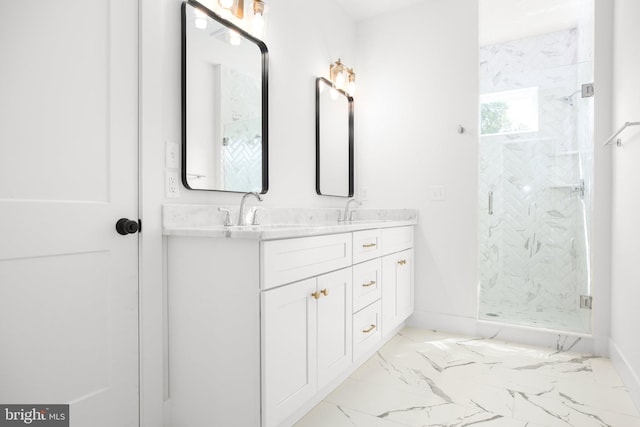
(629, 376)
(562, 341)
(151, 162)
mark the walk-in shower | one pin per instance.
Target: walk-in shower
(536, 157)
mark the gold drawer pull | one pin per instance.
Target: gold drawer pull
(325, 292)
(371, 283)
(316, 295)
(369, 245)
(402, 262)
(369, 329)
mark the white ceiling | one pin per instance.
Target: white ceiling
(505, 20)
(500, 20)
(363, 9)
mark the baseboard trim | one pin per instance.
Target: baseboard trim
(629, 376)
(561, 341)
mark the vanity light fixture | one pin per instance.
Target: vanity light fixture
(234, 9)
(343, 77)
(258, 18)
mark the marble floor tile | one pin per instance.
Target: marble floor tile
(426, 378)
(328, 414)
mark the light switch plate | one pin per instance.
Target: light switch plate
(172, 155)
(438, 193)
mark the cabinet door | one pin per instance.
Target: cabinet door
(289, 349)
(334, 325)
(397, 289)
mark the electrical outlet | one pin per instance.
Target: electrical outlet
(172, 155)
(438, 193)
(172, 188)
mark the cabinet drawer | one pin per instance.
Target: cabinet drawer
(286, 261)
(396, 239)
(366, 245)
(367, 331)
(367, 283)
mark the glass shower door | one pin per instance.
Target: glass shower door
(536, 156)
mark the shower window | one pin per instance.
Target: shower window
(509, 111)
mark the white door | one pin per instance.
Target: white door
(68, 172)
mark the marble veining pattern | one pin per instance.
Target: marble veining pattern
(425, 378)
(277, 223)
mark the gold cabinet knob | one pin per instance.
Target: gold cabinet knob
(316, 295)
(371, 283)
(325, 292)
(402, 262)
(369, 245)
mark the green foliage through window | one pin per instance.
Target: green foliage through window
(493, 117)
(509, 111)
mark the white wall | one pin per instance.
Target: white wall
(625, 316)
(418, 80)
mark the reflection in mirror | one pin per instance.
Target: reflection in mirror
(334, 140)
(224, 104)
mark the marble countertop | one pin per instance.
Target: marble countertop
(277, 223)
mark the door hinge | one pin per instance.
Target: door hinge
(587, 90)
(586, 301)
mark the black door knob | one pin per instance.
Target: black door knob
(126, 226)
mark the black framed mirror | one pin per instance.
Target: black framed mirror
(224, 104)
(334, 140)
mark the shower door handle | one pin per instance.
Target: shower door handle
(490, 202)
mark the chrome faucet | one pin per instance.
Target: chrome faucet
(241, 219)
(347, 215)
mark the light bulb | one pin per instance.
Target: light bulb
(200, 23)
(258, 25)
(351, 88)
(227, 4)
(334, 93)
(234, 38)
(341, 79)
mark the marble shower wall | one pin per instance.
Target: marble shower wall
(533, 262)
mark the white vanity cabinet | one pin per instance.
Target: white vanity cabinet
(306, 341)
(260, 329)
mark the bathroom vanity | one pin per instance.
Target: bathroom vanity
(264, 321)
